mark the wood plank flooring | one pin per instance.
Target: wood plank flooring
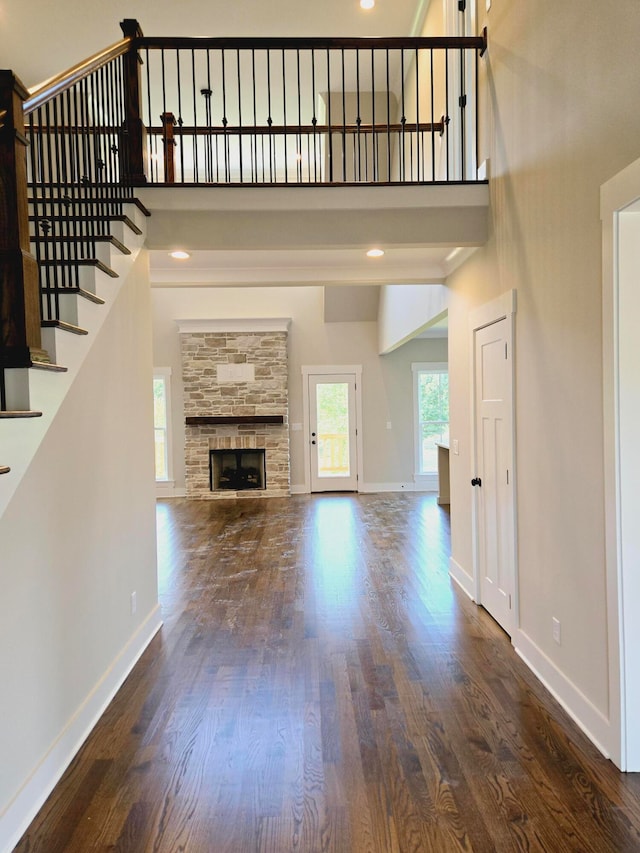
(320, 685)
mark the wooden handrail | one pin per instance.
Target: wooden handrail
(43, 92)
(312, 43)
(302, 129)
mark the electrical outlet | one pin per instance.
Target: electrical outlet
(389, 426)
(134, 603)
(556, 629)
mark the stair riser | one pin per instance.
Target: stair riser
(17, 389)
(29, 390)
(76, 310)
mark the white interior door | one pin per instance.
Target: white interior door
(493, 481)
(332, 433)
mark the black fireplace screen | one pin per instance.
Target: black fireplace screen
(237, 470)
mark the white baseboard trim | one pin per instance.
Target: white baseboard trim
(425, 482)
(585, 715)
(464, 581)
(299, 490)
(369, 488)
(168, 490)
(30, 798)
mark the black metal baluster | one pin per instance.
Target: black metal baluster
(447, 110)
(45, 223)
(164, 112)
(314, 120)
(374, 135)
(33, 160)
(462, 103)
(417, 67)
(344, 120)
(180, 120)
(269, 118)
(64, 228)
(388, 120)
(329, 116)
(284, 112)
(240, 136)
(433, 118)
(225, 139)
(153, 164)
(299, 157)
(357, 171)
(208, 92)
(56, 188)
(196, 171)
(403, 120)
(254, 137)
(477, 141)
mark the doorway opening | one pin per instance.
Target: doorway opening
(332, 413)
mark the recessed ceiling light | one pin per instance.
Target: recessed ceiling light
(367, 4)
(180, 255)
(375, 253)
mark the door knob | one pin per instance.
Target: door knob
(476, 481)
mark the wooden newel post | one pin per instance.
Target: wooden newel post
(134, 158)
(20, 341)
(168, 139)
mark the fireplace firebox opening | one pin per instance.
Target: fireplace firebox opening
(237, 470)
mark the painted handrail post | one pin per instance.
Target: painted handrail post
(134, 165)
(20, 338)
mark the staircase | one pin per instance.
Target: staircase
(77, 290)
(70, 228)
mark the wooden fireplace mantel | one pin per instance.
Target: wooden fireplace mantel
(221, 420)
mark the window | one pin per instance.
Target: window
(431, 394)
(161, 422)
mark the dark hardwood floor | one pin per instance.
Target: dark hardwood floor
(320, 685)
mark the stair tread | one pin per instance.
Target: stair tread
(117, 199)
(4, 469)
(79, 238)
(109, 217)
(20, 414)
(80, 262)
(66, 327)
(47, 365)
(79, 291)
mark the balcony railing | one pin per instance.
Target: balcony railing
(310, 111)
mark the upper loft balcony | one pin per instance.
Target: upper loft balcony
(261, 112)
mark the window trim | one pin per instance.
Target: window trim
(165, 373)
(418, 367)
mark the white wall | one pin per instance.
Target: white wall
(77, 538)
(556, 124)
(387, 388)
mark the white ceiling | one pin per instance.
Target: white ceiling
(301, 266)
(60, 34)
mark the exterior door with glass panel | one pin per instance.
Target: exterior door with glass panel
(332, 428)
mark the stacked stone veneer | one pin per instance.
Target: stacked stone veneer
(267, 394)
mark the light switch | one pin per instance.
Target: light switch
(456, 448)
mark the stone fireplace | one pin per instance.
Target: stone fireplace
(235, 376)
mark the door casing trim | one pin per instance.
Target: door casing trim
(501, 308)
(331, 370)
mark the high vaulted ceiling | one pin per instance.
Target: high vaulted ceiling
(39, 39)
